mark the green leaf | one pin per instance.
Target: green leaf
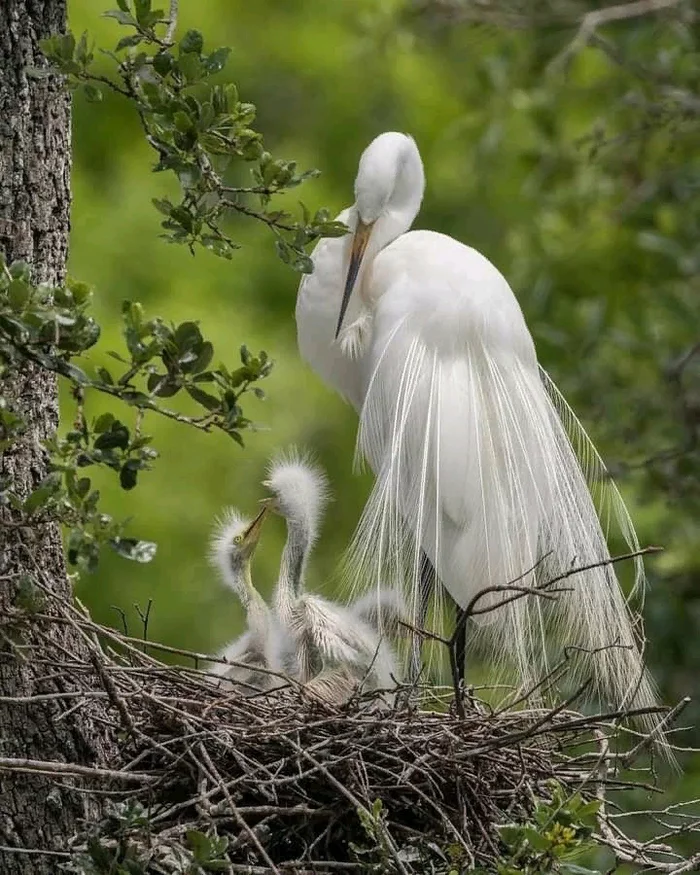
(131, 548)
(18, 293)
(129, 474)
(66, 46)
(38, 72)
(217, 60)
(20, 270)
(120, 16)
(103, 423)
(162, 205)
(203, 398)
(163, 63)
(535, 839)
(39, 497)
(182, 122)
(192, 41)
(142, 8)
(80, 291)
(105, 376)
(92, 93)
(187, 336)
(116, 438)
(127, 42)
(204, 357)
(73, 372)
(190, 66)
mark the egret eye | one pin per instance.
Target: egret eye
(237, 539)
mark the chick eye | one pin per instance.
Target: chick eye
(237, 539)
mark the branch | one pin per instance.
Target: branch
(172, 23)
(48, 767)
(591, 21)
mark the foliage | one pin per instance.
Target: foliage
(125, 842)
(198, 129)
(559, 832)
(49, 326)
(121, 844)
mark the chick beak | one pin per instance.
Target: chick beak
(251, 536)
(357, 250)
(270, 503)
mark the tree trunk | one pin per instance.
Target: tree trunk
(36, 812)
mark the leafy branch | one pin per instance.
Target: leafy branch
(202, 132)
(50, 327)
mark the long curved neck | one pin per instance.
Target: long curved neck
(256, 609)
(290, 583)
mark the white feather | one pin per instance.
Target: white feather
(320, 636)
(478, 459)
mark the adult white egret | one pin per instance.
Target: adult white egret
(479, 462)
(231, 552)
(332, 647)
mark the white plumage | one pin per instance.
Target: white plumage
(478, 459)
(335, 644)
(232, 547)
(333, 649)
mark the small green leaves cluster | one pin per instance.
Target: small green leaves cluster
(51, 327)
(120, 844)
(559, 832)
(201, 131)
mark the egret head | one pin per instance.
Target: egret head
(299, 493)
(232, 547)
(388, 192)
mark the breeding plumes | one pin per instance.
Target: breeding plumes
(480, 464)
(331, 647)
(232, 547)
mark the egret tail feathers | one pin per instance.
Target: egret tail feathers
(480, 462)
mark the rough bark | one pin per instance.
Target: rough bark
(36, 812)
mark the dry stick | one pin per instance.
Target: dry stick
(532, 730)
(631, 852)
(666, 720)
(350, 796)
(50, 767)
(9, 849)
(216, 777)
(543, 590)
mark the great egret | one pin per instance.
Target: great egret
(479, 461)
(332, 647)
(231, 551)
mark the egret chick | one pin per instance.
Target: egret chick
(342, 645)
(233, 545)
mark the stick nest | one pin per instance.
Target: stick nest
(282, 782)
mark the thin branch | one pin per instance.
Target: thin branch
(591, 21)
(49, 767)
(169, 37)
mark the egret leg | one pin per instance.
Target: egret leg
(460, 643)
(426, 584)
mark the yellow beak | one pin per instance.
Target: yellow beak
(251, 536)
(357, 251)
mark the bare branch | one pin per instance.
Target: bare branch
(591, 21)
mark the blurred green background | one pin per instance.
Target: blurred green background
(581, 183)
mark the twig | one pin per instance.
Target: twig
(591, 21)
(172, 23)
(50, 767)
